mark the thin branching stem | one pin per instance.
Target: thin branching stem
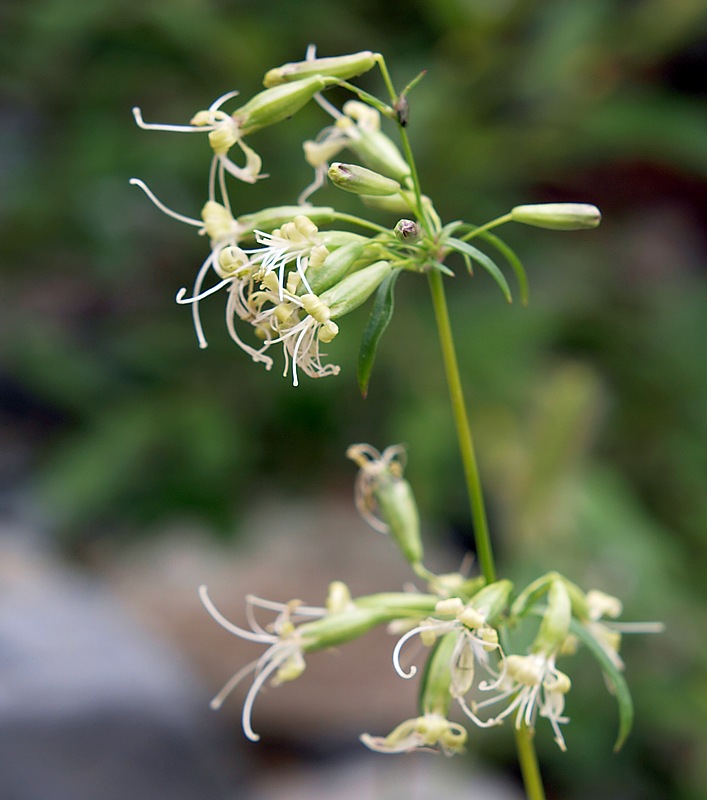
(461, 420)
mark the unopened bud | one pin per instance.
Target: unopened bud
(218, 220)
(360, 180)
(558, 216)
(407, 230)
(339, 597)
(230, 260)
(342, 67)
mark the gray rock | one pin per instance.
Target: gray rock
(91, 706)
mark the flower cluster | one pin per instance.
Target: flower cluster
(283, 274)
(467, 626)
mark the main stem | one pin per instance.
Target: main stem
(484, 551)
(528, 760)
(525, 746)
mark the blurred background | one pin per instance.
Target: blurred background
(134, 466)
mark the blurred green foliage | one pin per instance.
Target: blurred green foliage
(591, 405)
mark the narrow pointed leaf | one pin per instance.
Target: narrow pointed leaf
(440, 267)
(483, 260)
(615, 678)
(514, 262)
(381, 314)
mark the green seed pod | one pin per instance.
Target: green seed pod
(339, 627)
(397, 605)
(398, 510)
(270, 218)
(558, 216)
(492, 599)
(435, 696)
(555, 624)
(359, 180)
(276, 104)
(335, 266)
(379, 153)
(342, 67)
(353, 290)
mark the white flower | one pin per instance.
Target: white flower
(295, 242)
(223, 132)
(475, 640)
(431, 732)
(356, 129)
(374, 465)
(282, 661)
(608, 634)
(299, 323)
(534, 685)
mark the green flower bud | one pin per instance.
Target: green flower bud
(359, 180)
(558, 216)
(355, 289)
(276, 104)
(407, 230)
(342, 67)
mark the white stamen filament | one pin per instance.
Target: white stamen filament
(250, 636)
(159, 126)
(163, 208)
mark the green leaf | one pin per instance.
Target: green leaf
(483, 260)
(513, 260)
(381, 314)
(440, 267)
(615, 678)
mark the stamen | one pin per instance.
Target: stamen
(158, 126)
(196, 290)
(229, 626)
(195, 298)
(636, 627)
(275, 662)
(256, 355)
(295, 381)
(398, 647)
(218, 700)
(163, 208)
(223, 99)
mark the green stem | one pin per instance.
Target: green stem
(340, 216)
(461, 420)
(528, 760)
(407, 149)
(525, 745)
(487, 227)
